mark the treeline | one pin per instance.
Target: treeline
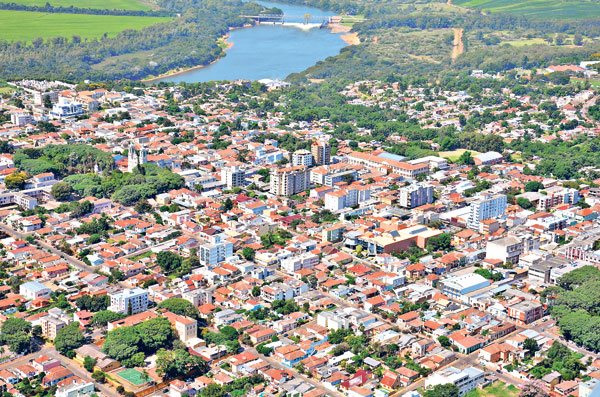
(188, 40)
(576, 303)
(48, 8)
(62, 159)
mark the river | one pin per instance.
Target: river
(269, 51)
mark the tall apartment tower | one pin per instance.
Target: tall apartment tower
(487, 206)
(289, 181)
(233, 176)
(321, 152)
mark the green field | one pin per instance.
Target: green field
(555, 9)
(455, 154)
(496, 389)
(26, 26)
(99, 4)
(132, 376)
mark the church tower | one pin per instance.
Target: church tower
(132, 160)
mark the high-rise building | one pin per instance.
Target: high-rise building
(487, 206)
(233, 176)
(303, 158)
(321, 152)
(415, 195)
(289, 181)
(211, 254)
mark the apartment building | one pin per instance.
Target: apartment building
(466, 379)
(122, 301)
(302, 158)
(211, 254)
(348, 197)
(289, 181)
(415, 195)
(233, 177)
(321, 153)
(486, 206)
(506, 249)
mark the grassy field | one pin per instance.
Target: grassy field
(455, 154)
(26, 26)
(99, 4)
(556, 9)
(496, 389)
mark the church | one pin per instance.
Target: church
(135, 158)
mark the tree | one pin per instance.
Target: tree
(447, 390)
(531, 345)
(248, 253)
(69, 338)
(15, 181)
(524, 203)
(180, 306)
(47, 102)
(102, 318)
(15, 333)
(89, 363)
(99, 376)
(440, 243)
(255, 291)
(143, 207)
(533, 389)
(168, 261)
(61, 191)
(465, 158)
(444, 341)
(533, 186)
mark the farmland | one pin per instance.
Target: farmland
(98, 4)
(26, 26)
(555, 9)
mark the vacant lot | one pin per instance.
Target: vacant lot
(26, 26)
(455, 154)
(496, 389)
(556, 9)
(99, 4)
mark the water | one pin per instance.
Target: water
(270, 51)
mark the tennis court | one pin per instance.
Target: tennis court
(132, 376)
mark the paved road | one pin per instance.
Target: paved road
(276, 364)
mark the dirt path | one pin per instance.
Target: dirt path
(457, 45)
(423, 58)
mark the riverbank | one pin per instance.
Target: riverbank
(351, 38)
(222, 42)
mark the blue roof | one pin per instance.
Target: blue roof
(34, 286)
(391, 156)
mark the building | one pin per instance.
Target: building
(333, 234)
(134, 158)
(348, 197)
(525, 312)
(75, 387)
(486, 207)
(198, 297)
(65, 109)
(396, 240)
(212, 254)
(415, 195)
(186, 327)
(489, 158)
(507, 249)
(20, 119)
(34, 290)
(590, 388)
(306, 260)
(129, 300)
(51, 325)
(321, 153)
(458, 286)
(382, 162)
(289, 181)
(466, 379)
(233, 177)
(303, 158)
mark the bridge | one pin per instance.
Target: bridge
(325, 20)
